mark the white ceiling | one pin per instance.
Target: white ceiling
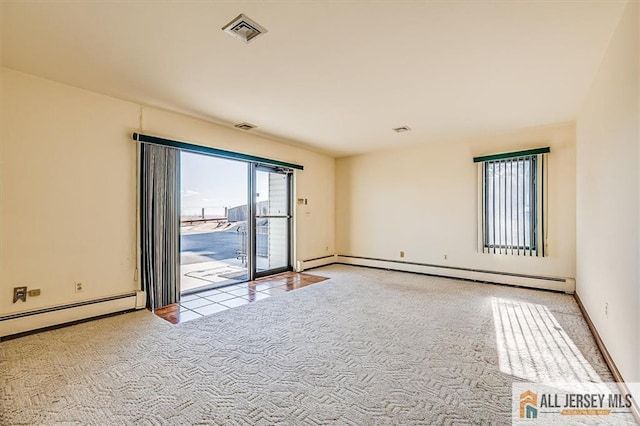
(336, 76)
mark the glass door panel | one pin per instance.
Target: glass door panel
(272, 220)
(214, 222)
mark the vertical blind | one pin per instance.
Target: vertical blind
(512, 197)
(160, 224)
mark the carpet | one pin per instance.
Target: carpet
(364, 347)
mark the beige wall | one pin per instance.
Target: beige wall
(423, 201)
(608, 149)
(68, 188)
(67, 193)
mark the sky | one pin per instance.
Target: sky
(213, 183)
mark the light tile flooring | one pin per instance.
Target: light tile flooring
(209, 302)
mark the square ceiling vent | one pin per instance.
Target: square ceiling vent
(245, 126)
(402, 129)
(244, 28)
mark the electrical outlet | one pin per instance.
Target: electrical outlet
(401, 254)
(19, 293)
(78, 287)
(445, 257)
(606, 309)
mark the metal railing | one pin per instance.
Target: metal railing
(262, 242)
(191, 221)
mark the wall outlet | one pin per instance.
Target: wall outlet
(606, 309)
(19, 293)
(445, 257)
(401, 254)
(78, 287)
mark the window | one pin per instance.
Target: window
(512, 203)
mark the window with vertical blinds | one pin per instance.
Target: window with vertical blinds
(512, 203)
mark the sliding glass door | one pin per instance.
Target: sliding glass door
(235, 221)
(272, 220)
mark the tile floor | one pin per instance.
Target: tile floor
(211, 301)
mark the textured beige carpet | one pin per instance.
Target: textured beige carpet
(365, 347)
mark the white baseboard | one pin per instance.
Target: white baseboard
(302, 265)
(19, 323)
(567, 285)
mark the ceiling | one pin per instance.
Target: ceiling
(335, 76)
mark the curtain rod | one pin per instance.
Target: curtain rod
(139, 137)
(514, 154)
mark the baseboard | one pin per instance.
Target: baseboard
(561, 284)
(302, 265)
(635, 409)
(22, 322)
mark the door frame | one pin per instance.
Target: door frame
(254, 168)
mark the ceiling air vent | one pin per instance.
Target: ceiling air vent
(245, 126)
(402, 129)
(244, 28)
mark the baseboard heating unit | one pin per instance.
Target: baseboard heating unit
(302, 265)
(21, 322)
(561, 284)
